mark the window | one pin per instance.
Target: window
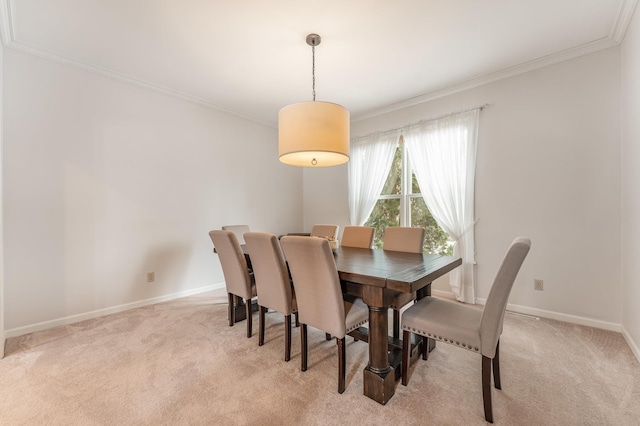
(401, 204)
(443, 152)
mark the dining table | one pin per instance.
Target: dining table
(377, 276)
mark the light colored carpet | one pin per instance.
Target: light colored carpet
(180, 363)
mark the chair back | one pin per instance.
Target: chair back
(404, 239)
(494, 309)
(238, 230)
(270, 271)
(234, 264)
(316, 282)
(357, 236)
(325, 231)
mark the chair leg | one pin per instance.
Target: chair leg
(406, 356)
(396, 323)
(262, 310)
(496, 367)
(249, 319)
(231, 311)
(287, 337)
(303, 347)
(327, 336)
(486, 388)
(342, 359)
(425, 347)
(297, 320)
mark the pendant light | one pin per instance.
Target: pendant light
(313, 134)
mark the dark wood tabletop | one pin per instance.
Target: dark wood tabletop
(403, 272)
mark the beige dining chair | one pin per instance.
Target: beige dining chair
(238, 230)
(330, 231)
(466, 326)
(407, 240)
(238, 280)
(273, 286)
(357, 236)
(320, 301)
(403, 238)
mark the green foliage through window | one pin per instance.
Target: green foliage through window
(403, 205)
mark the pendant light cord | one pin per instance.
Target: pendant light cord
(313, 70)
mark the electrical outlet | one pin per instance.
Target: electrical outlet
(151, 277)
(538, 285)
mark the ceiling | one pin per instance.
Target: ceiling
(250, 58)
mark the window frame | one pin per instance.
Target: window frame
(406, 180)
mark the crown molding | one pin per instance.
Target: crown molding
(124, 78)
(8, 35)
(616, 36)
(6, 24)
(565, 55)
(625, 13)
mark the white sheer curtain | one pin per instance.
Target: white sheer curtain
(443, 154)
(369, 166)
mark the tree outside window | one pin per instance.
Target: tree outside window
(401, 204)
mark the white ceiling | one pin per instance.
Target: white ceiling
(250, 58)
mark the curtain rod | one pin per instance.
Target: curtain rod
(397, 129)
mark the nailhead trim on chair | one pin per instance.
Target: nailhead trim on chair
(356, 326)
(442, 339)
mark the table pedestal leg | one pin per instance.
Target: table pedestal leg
(241, 309)
(379, 376)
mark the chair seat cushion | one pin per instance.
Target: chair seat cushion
(447, 321)
(356, 314)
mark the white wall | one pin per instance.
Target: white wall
(104, 182)
(326, 196)
(2, 328)
(548, 167)
(631, 184)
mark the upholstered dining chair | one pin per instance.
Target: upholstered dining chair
(273, 285)
(465, 326)
(403, 238)
(408, 240)
(357, 236)
(238, 230)
(330, 231)
(320, 301)
(238, 280)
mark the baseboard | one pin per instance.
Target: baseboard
(573, 319)
(443, 294)
(543, 313)
(634, 347)
(19, 331)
